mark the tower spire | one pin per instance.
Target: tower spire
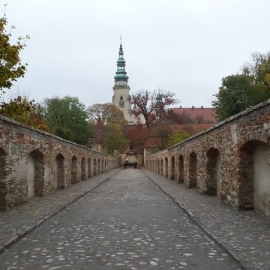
(121, 74)
(121, 98)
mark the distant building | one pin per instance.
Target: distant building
(199, 115)
(121, 98)
(192, 120)
(100, 132)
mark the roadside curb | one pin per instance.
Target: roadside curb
(201, 225)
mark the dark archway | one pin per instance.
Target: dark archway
(60, 171)
(173, 168)
(253, 176)
(74, 176)
(3, 179)
(98, 167)
(213, 181)
(89, 168)
(181, 170)
(192, 170)
(83, 170)
(94, 167)
(166, 167)
(35, 173)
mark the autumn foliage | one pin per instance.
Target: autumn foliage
(24, 111)
(151, 105)
(11, 67)
(106, 113)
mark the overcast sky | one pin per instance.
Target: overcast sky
(183, 46)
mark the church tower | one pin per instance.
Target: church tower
(121, 97)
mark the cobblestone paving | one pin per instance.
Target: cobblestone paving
(125, 223)
(245, 234)
(21, 219)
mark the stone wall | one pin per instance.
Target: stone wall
(35, 163)
(229, 160)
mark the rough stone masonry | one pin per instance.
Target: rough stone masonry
(230, 160)
(35, 163)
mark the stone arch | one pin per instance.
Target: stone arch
(94, 167)
(89, 168)
(181, 169)
(74, 171)
(253, 176)
(166, 167)
(60, 171)
(83, 169)
(193, 170)
(3, 179)
(35, 173)
(173, 168)
(213, 180)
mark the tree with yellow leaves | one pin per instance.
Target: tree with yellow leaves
(11, 66)
(24, 111)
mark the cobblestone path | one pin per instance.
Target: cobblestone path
(125, 223)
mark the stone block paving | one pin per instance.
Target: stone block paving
(245, 234)
(22, 219)
(126, 223)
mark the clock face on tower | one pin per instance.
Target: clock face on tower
(121, 104)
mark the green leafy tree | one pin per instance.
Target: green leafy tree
(178, 137)
(241, 91)
(26, 111)
(233, 96)
(259, 68)
(66, 118)
(11, 67)
(114, 140)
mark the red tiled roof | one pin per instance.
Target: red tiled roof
(208, 114)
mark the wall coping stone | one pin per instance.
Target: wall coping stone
(218, 125)
(32, 129)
